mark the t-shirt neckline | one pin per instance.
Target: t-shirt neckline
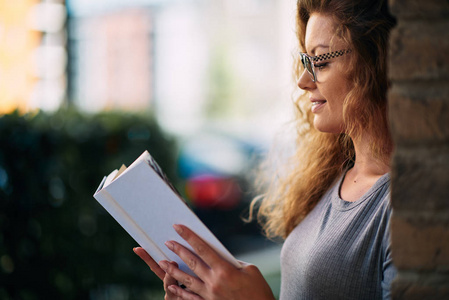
(341, 204)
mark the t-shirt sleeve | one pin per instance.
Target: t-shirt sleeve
(389, 271)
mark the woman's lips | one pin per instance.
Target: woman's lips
(317, 105)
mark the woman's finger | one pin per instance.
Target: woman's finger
(201, 248)
(169, 280)
(169, 283)
(182, 293)
(150, 262)
(192, 283)
(192, 261)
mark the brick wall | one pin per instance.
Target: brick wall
(419, 116)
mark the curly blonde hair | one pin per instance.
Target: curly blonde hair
(321, 158)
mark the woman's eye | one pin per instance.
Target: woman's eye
(321, 66)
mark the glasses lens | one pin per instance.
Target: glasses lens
(307, 64)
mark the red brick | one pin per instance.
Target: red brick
(416, 286)
(420, 179)
(419, 51)
(420, 242)
(419, 113)
(419, 9)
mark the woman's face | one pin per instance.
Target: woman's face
(332, 85)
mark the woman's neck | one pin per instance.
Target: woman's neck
(363, 175)
(366, 163)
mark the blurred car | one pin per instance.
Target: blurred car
(215, 167)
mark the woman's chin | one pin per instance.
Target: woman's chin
(325, 126)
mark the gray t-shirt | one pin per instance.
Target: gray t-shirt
(341, 250)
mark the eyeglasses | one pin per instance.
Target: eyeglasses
(308, 62)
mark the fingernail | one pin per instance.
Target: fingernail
(134, 249)
(172, 289)
(177, 228)
(163, 264)
(170, 245)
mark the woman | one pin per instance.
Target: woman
(333, 208)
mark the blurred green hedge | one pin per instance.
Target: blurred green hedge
(56, 241)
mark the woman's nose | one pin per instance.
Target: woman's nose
(305, 81)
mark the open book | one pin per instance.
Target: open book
(146, 205)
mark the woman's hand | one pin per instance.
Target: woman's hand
(217, 279)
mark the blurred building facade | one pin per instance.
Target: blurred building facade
(15, 73)
(191, 62)
(111, 57)
(233, 64)
(32, 54)
(194, 62)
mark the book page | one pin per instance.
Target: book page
(110, 177)
(120, 171)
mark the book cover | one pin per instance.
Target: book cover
(144, 202)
